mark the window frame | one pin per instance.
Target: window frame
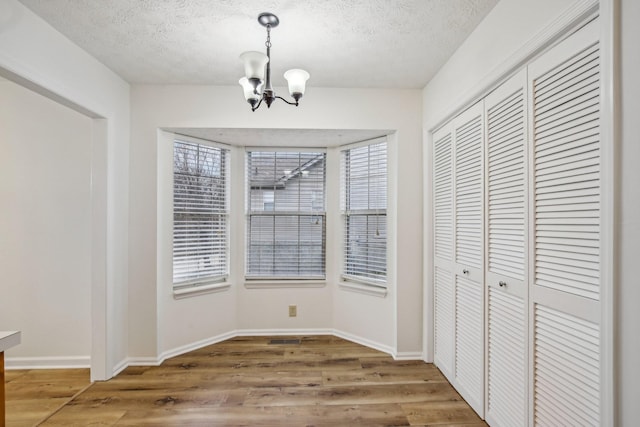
(212, 281)
(363, 281)
(260, 280)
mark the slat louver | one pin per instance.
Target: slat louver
(469, 339)
(443, 319)
(506, 186)
(506, 359)
(443, 198)
(567, 173)
(468, 192)
(567, 369)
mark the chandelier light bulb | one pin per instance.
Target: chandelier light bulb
(297, 80)
(254, 64)
(250, 94)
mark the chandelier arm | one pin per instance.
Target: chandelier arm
(290, 103)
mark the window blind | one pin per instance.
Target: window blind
(364, 206)
(286, 215)
(200, 213)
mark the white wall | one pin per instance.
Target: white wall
(488, 51)
(36, 55)
(210, 315)
(628, 230)
(184, 323)
(45, 224)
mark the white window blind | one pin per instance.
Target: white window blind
(364, 206)
(200, 214)
(286, 215)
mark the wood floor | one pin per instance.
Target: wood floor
(246, 381)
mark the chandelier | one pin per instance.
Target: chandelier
(257, 67)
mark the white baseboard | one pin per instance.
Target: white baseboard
(365, 342)
(151, 361)
(194, 346)
(66, 362)
(120, 367)
(85, 361)
(177, 351)
(408, 355)
(340, 334)
(143, 361)
(281, 332)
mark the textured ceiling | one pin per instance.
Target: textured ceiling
(342, 43)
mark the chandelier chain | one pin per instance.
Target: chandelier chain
(268, 42)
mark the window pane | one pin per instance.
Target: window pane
(364, 203)
(364, 173)
(285, 225)
(199, 212)
(366, 246)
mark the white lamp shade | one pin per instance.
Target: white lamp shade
(247, 87)
(254, 63)
(297, 80)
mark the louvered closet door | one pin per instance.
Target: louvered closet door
(506, 221)
(566, 203)
(468, 129)
(444, 291)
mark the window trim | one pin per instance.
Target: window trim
(201, 289)
(370, 286)
(262, 281)
(363, 288)
(211, 283)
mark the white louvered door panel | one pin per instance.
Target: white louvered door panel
(506, 359)
(506, 221)
(567, 369)
(468, 143)
(470, 342)
(443, 310)
(443, 194)
(506, 185)
(565, 196)
(444, 302)
(468, 188)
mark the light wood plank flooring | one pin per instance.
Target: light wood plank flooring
(35, 394)
(246, 381)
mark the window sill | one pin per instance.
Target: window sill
(375, 291)
(272, 284)
(200, 290)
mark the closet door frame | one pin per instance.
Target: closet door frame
(609, 131)
(566, 23)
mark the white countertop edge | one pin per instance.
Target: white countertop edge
(9, 339)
